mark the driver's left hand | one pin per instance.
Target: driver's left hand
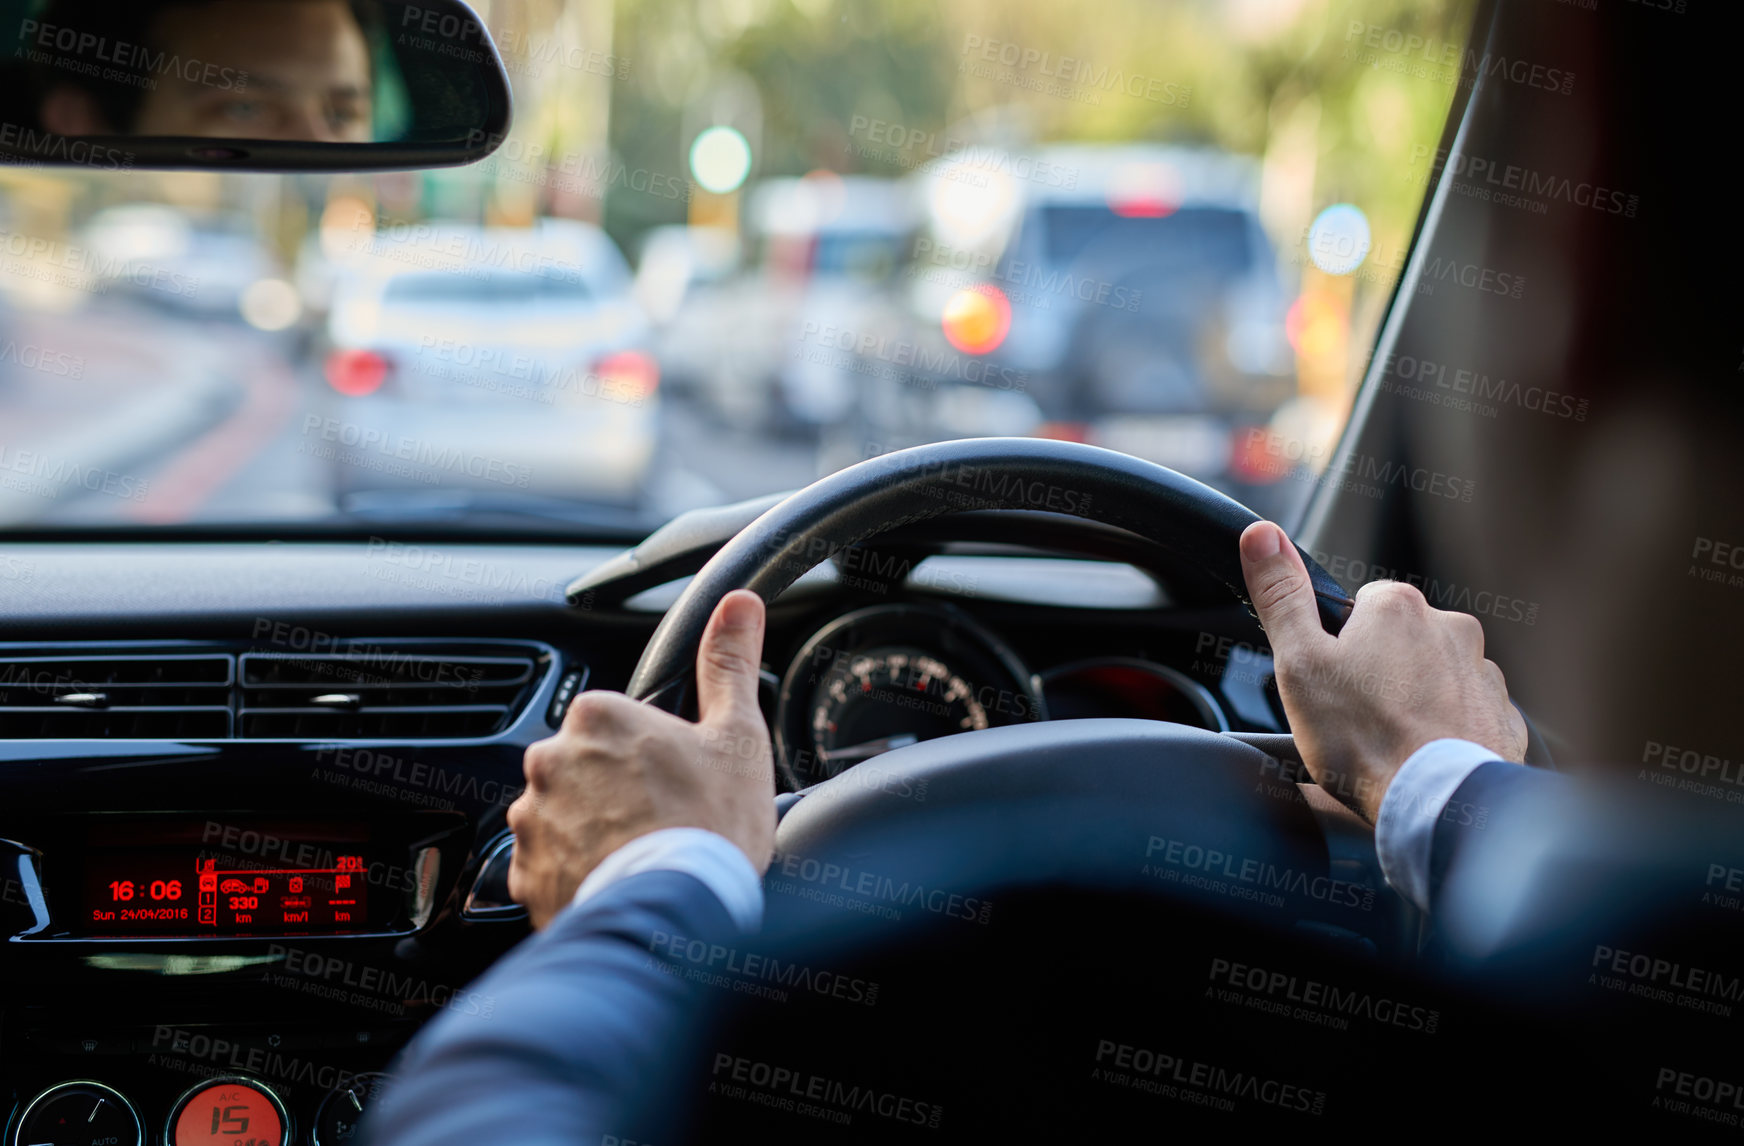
(618, 769)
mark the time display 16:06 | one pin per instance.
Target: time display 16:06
(122, 890)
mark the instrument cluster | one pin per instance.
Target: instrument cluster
(887, 676)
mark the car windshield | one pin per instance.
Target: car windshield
(1212, 238)
(485, 290)
(728, 248)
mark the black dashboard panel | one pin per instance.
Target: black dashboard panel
(108, 583)
(313, 1011)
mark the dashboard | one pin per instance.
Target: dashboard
(253, 795)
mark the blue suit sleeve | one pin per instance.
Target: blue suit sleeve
(1488, 792)
(568, 1032)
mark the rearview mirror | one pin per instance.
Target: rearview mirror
(250, 85)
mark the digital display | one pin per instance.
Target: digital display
(298, 887)
(227, 1114)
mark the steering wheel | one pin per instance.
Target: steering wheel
(1079, 800)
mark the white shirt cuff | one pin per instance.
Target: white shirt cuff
(1415, 800)
(708, 856)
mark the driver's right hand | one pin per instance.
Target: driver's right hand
(619, 769)
(1398, 676)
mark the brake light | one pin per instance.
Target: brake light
(1144, 191)
(355, 373)
(633, 375)
(977, 319)
(1142, 208)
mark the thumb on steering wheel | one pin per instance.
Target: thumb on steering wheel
(727, 659)
(1278, 585)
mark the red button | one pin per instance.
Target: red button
(229, 1113)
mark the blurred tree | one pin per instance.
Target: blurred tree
(1225, 73)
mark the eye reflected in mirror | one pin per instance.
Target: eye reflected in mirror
(231, 69)
(252, 72)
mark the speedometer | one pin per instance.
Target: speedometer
(885, 698)
(893, 675)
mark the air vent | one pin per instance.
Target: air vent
(383, 692)
(90, 697)
(411, 689)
